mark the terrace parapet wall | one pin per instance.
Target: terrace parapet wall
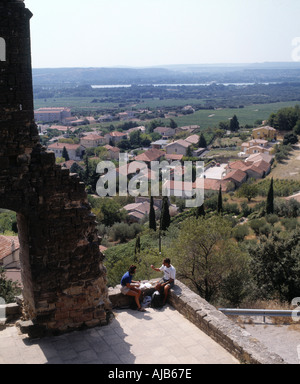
(241, 344)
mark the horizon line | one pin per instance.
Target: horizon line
(174, 65)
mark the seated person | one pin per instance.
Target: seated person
(129, 287)
(167, 282)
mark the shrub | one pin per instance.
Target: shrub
(124, 232)
(290, 223)
(246, 210)
(256, 224)
(240, 231)
(231, 208)
(287, 208)
(265, 229)
(8, 288)
(272, 218)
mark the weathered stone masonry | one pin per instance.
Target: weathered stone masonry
(63, 274)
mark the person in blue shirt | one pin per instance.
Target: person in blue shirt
(130, 287)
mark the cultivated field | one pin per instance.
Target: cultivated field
(204, 118)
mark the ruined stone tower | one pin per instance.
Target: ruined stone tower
(62, 268)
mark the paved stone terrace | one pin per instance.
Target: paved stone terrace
(157, 336)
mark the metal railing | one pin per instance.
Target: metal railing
(261, 312)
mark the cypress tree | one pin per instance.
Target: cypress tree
(165, 220)
(200, 211)
(270, 199)
(234, 124)
(220, 201)
(137, 248)
(65, 154)
(202, 142)
(152, 221)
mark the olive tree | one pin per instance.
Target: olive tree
(205, 254)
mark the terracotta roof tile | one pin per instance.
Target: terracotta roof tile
(6, 245)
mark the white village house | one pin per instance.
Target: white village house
(75, 151)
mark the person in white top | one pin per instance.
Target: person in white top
(168, 281)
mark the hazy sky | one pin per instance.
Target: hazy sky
(106, 33)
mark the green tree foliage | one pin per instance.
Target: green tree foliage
(249, 191)
(270, 199)
(123, 232)
(282, 187)
(107, 211)
(240, 231)
(205, 254)
(8, 222)
(220, 201)
(276, 265)
(89, 175)
(8, 288)
(202, 142)
(235, 287)
(189, 152)
(65, 154)
(296, 129)
(165, 215)
(137, 248)
(224, 125)
(234, 124)
(173, 124)
(75, 168)
(285, 119)
(290, 138)
(152, 219)
(200, 212)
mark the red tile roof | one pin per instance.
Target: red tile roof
(214, 184)
(6, 245)
(117, 134)
(236, 175)
(110, 148)
(152, 154)
(62, 145)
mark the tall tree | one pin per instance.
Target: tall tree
(275, 265)
(152, 221)
(220, 201)
(137, 248)
(200, 211)
(202, 142)
(65, 154)
(173, 124)
(234, 124)
(165, 219)
(270, 199)
(247, 190)
(205, 254)
(189, 152)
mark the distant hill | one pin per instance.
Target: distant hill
(183, 74)
(82, 76)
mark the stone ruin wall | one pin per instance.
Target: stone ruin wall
(63, 275)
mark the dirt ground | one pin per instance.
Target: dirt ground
(289, 169)
(283, 339)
